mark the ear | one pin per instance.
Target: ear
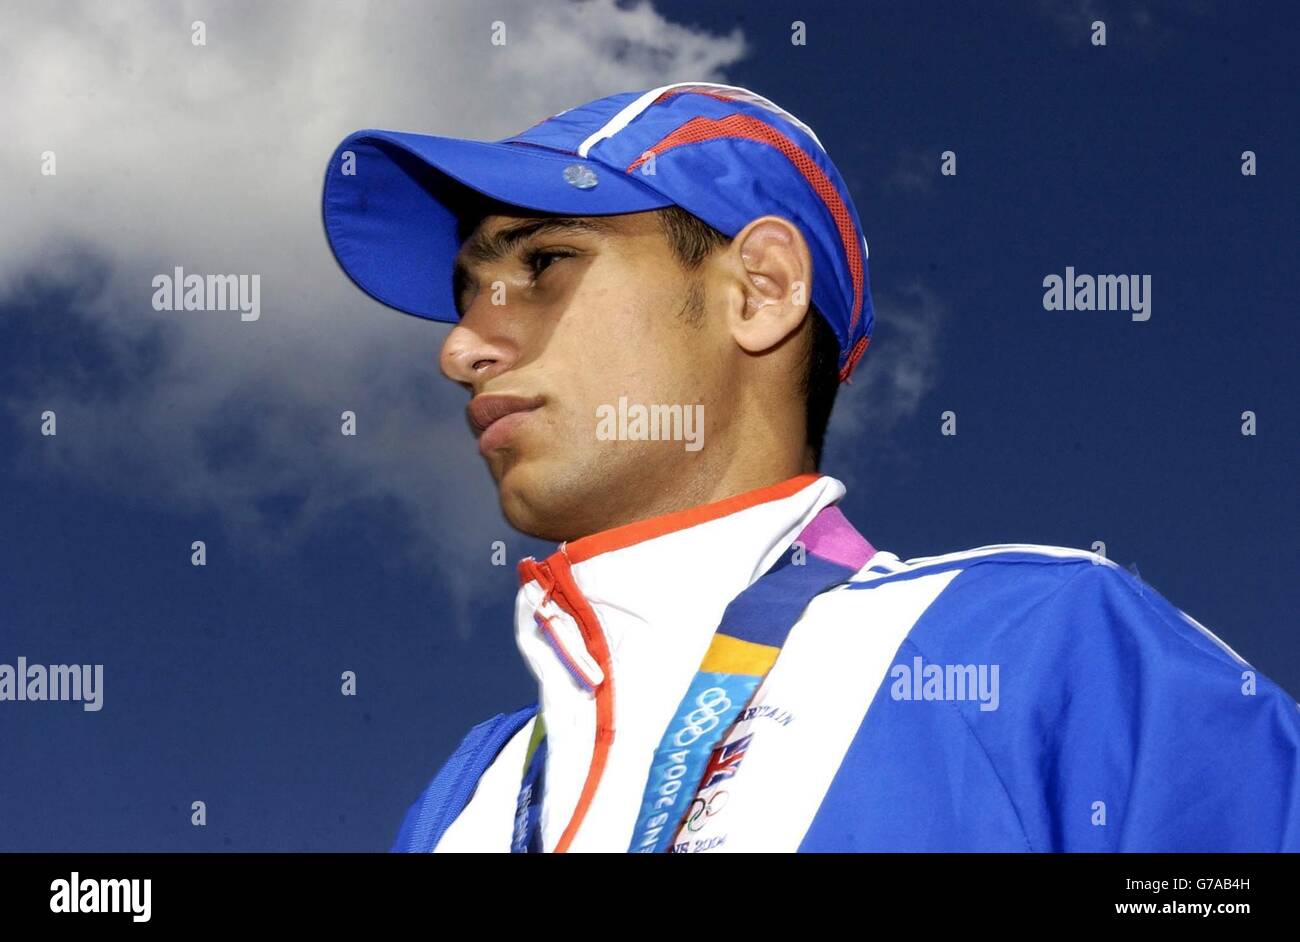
(774, 269)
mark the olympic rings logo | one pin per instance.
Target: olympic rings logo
(712, 703)
(701, 809)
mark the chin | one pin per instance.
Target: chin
(551, 500)
(521, 491)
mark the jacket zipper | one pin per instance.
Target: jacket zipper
(557, 582)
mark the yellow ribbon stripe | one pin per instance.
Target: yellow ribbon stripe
(728, 655)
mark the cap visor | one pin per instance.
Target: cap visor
(392, 200)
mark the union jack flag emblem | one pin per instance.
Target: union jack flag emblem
(724, 761)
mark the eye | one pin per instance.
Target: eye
(538, 260)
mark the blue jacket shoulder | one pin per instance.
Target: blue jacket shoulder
(446, 796)
(1111, 720)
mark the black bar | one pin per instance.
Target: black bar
(437, 891)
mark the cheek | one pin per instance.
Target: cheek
(613, 340)
(618, 340)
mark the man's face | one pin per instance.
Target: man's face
(569, 315)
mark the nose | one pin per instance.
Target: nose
(475, 351)
(470, 358)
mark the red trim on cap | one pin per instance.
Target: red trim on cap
(747, 127)
(696, 90)
(855, 355)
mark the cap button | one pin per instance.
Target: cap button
(580, 175)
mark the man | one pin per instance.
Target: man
(655, 296)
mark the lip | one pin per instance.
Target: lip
(495, 417)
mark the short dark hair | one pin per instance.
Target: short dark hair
(692, 241)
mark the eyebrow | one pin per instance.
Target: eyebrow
(484, 248)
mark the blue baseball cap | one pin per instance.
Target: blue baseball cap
(393, 200)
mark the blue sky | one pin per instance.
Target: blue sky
(373, 554)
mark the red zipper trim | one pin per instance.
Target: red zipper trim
(557, 581)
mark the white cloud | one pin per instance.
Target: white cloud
(212, 158)
(1074, 18)
(899, 368)
(914, 171)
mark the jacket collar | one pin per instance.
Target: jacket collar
(642, 531)
(668, 577)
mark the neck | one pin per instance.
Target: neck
(737, 478)
(644, 499)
